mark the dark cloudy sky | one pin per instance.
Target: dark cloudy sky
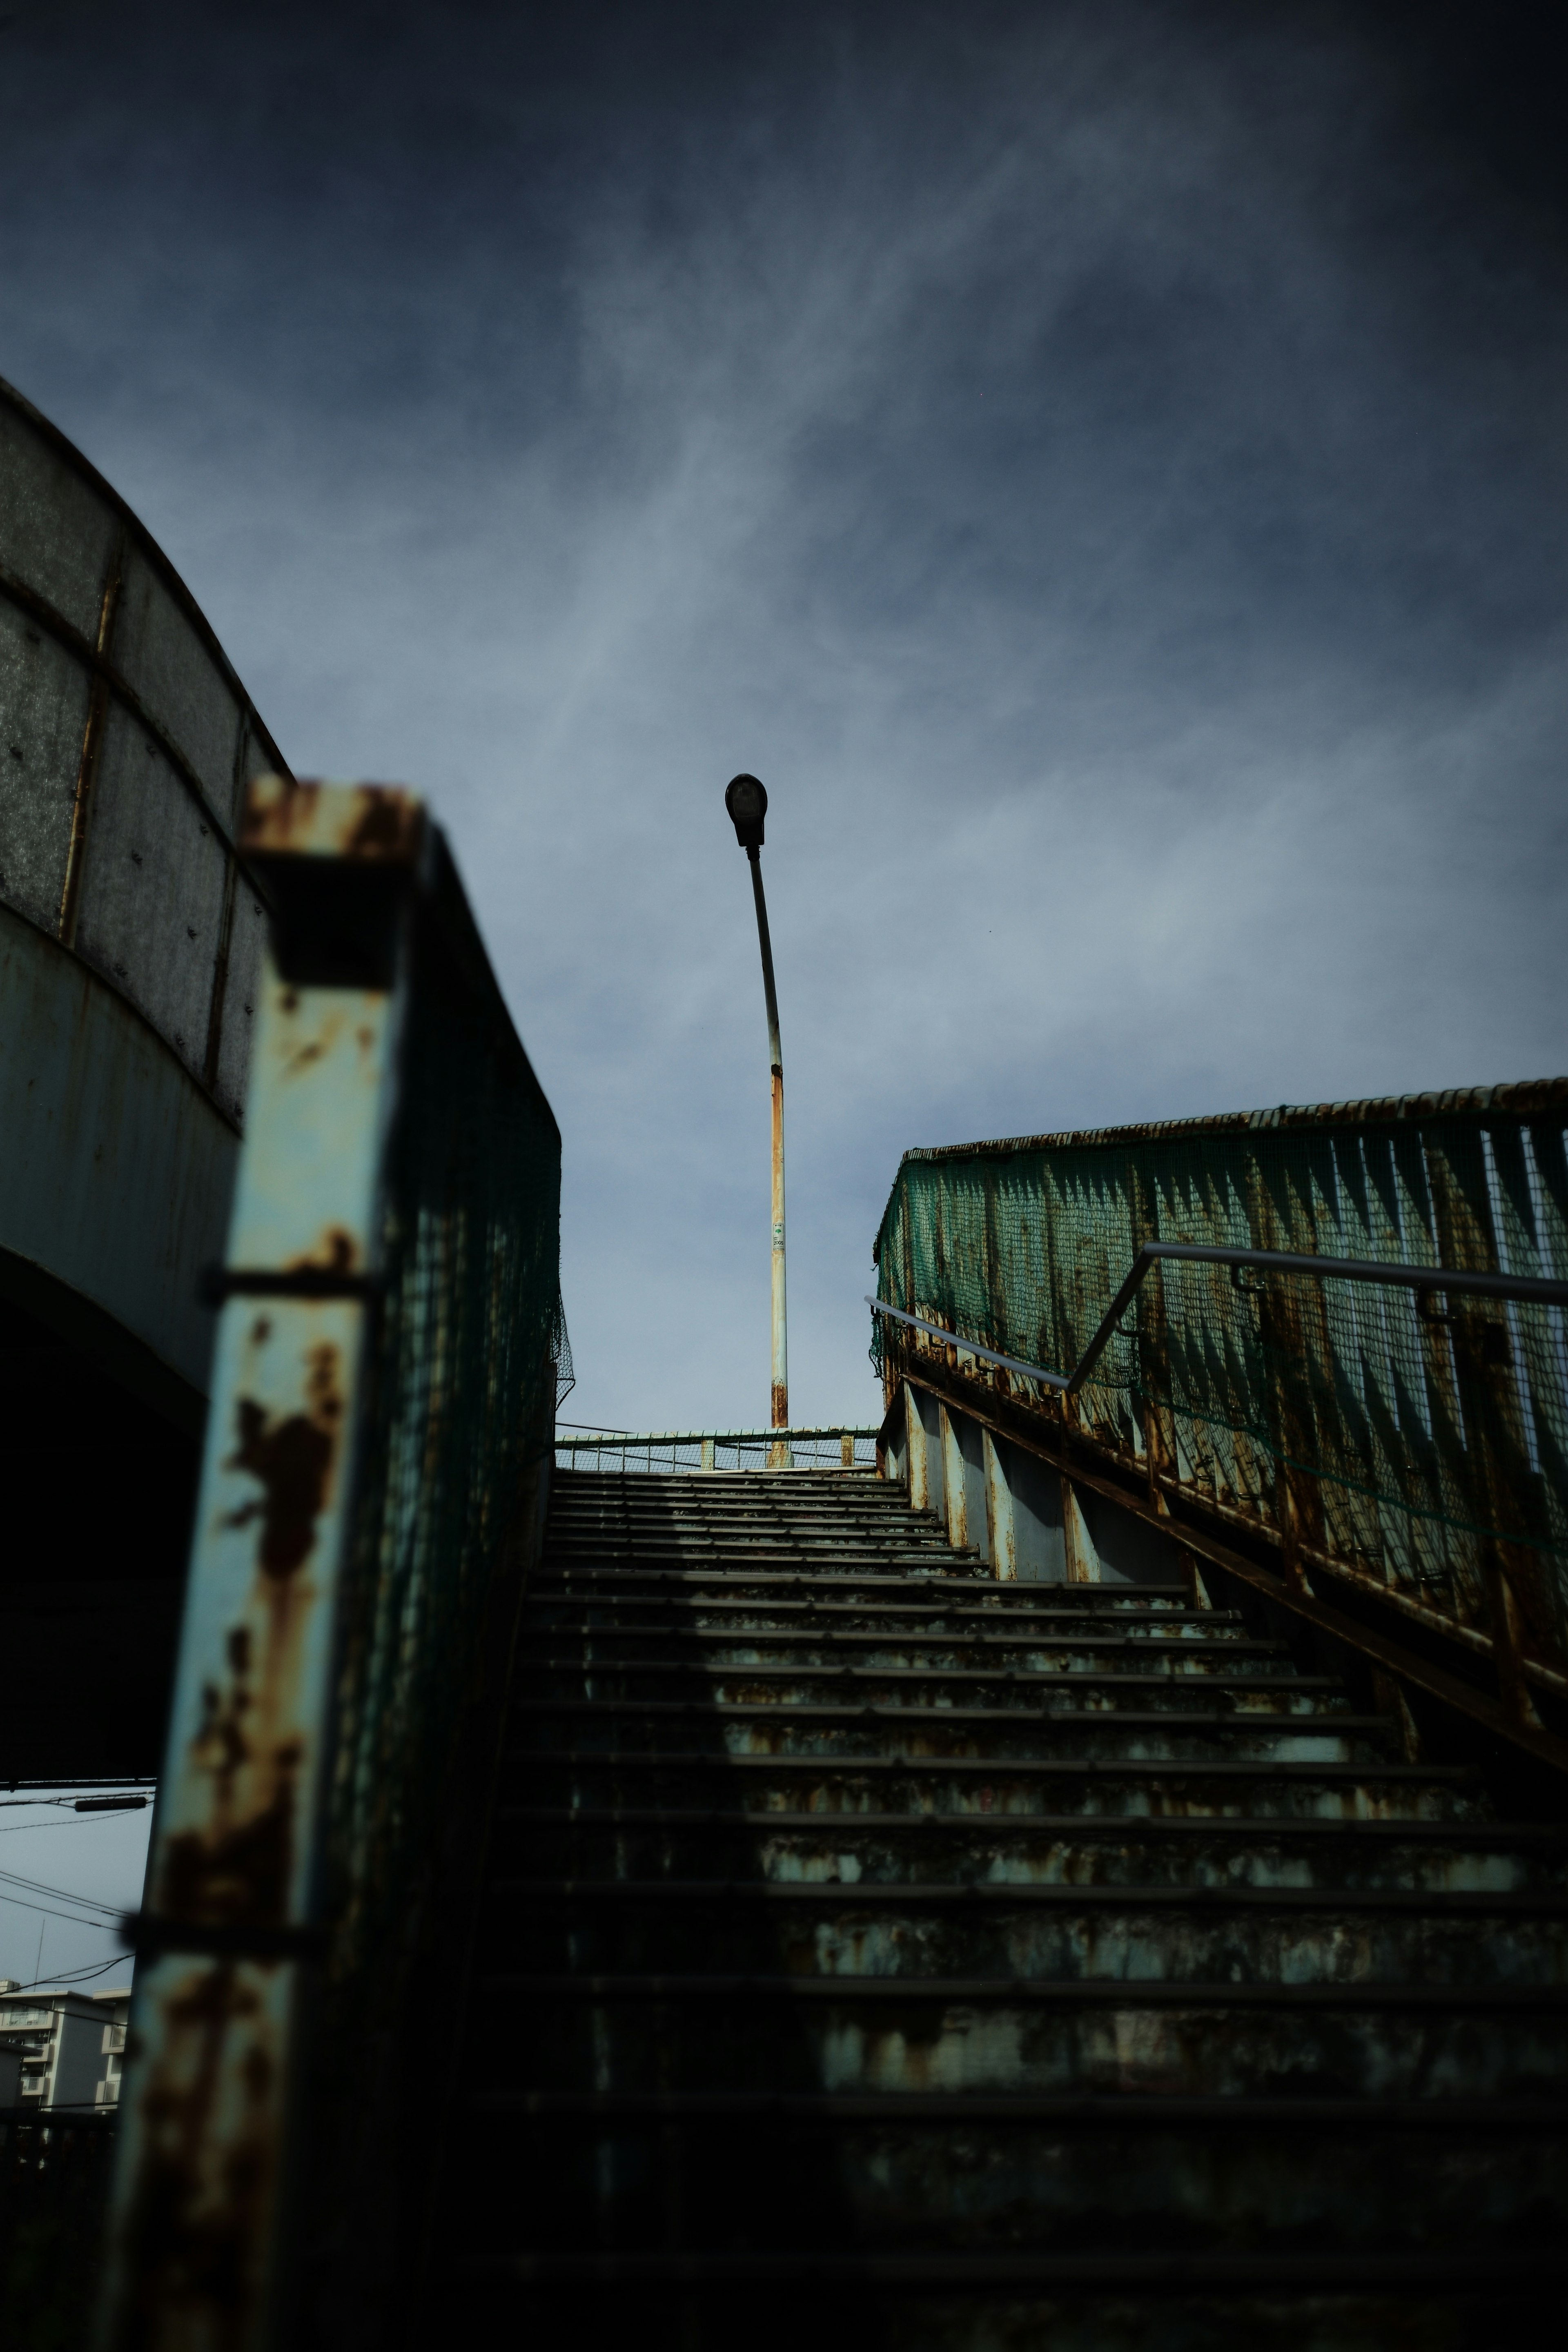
(1102, 465)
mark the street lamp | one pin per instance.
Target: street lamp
(748, 805)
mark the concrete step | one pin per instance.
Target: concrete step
(670, 1546)
(1207, 1786)
(781, 1620)
(872, 1726)
(712, 2031)
(921, 2171)
(1190, 1853)
(1128, 1675)
(859, 1926)
(920, 1593)
(909, 1929)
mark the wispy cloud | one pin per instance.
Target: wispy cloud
(1100, 469)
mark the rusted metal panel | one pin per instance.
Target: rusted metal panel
(1410, 1440)
(377, 824)
(234, 1881)
(927, 1491)
(964, 1483)
(207, 2140)
(1078, 1544)
(1531, 1098)
(387, 1364)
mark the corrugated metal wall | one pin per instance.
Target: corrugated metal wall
(126, 742)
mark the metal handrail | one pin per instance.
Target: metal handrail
(708, 1436)
(1529, 1290)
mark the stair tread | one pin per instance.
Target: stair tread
(1243, 1828)
(891, 1893)
(1124, 1992)
(1319, 2269)
(1010, 1767)
(1114, 2110)
(690, 1974)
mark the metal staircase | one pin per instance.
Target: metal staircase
(875, 1952)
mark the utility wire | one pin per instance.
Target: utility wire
(88, 1820)
(104, 1926)
(133, 1801)
(61, 1893)
(65, 1977)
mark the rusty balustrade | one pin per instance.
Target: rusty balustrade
(389, 1341)
(1327, 1344)
(836, 1447)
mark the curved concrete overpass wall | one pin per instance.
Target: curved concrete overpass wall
(129, 936)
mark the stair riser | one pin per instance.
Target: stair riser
(971, 1638)
(749, 1599)
(1267, 1739)
(662, 1671)
(779, 1557)
(553, 1780)
(844, 1511)
(713, 2043)
(972, 1849)
(980, 2187)
(878, 1595)
(870, 1531)
(608, 1937)
(780, 2314)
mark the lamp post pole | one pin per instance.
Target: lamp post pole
(747, 802)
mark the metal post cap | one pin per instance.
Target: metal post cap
(746, 798)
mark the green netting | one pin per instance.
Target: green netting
(469, 1350)
(1425, 1426)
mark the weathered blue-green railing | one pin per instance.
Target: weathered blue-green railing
(837, 1447)
(376, 1452)
(1394, 1434)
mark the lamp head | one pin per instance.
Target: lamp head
(747, 802)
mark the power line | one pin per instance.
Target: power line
(66, 1977)
(87, 1822)
(104, 1801)
(61, 1893)
(103, 1926)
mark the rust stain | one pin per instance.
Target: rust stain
(209, 2178)
(234, 1868)
(196, 2225)
(337, 1253)
(291, 1461)
(380, 824)
(278, 809)
(388, 827)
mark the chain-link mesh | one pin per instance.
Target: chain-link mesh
(560, 1356)
(1423, 1423)
(468, 1353)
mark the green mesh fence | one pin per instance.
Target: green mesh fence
(469, 1351)
(390, 1349)
(1423, 1425)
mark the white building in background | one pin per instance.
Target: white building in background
(71, 2045)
